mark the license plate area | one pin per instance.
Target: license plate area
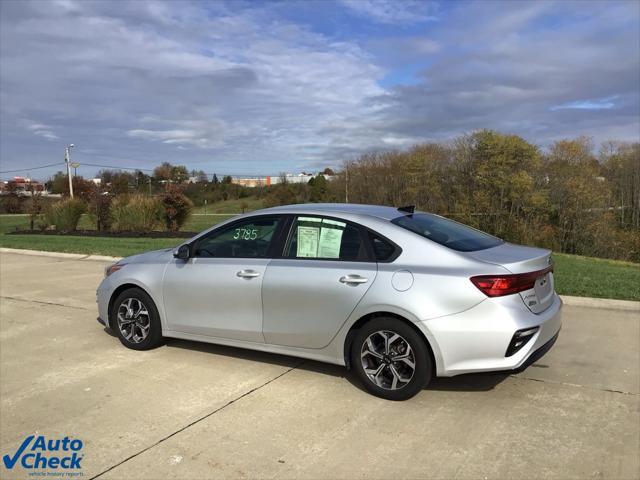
(540, 297)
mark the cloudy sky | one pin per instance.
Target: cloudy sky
(248, 87)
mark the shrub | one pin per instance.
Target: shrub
(34, 208)
(100, 211)
(11, 203)
(65, 214)
(135, 213)
(280, 195)
(177, 209)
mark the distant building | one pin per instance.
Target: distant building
(252, 182)
(21, 185)
(273, 180)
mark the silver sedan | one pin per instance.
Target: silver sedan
(395, 295)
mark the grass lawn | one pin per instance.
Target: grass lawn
(574, 275)
(117, 247)
(596, 277)
(232, 206)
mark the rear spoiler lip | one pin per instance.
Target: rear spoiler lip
(531, 259)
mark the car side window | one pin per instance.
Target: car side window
(382, 249)
(324, 238)
(249, 239)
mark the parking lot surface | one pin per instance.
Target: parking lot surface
(192, 410)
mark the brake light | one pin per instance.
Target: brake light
(499, 285)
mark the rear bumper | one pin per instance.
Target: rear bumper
(476, 340)
(538, 354)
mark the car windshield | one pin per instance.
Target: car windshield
(446, 232)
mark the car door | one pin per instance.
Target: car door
(217, 292)
(310, 291)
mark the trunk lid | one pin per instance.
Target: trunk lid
(521, 259)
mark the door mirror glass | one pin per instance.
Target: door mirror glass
(183, 252)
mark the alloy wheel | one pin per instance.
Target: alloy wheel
(133, 320)
(388, 360)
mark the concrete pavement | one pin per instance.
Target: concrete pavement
(189, 410)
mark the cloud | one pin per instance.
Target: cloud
(41, 130)
(188, 133)
(595, 104)
(519, 68)
(252, 88)
(240, 87)
(393, 11)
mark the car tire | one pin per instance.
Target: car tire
(136, 321)
(391, 359)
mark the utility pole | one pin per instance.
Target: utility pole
(67, 159)
(346, 184)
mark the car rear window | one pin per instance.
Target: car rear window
(446, 232)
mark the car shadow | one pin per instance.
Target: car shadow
(471, 382)
(477, 382)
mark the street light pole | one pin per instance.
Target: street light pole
(67, 159)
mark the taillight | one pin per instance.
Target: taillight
(499, 285)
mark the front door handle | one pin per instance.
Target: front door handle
(248, 274)
(353, 279)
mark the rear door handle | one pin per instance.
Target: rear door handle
(354, 279)
(248, 274)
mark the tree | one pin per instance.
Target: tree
(328, 171)
(163, 172)
(621, 167)
(578, 195)
(179, 174)
(168, 173)
(318, 186)
(82, 188)
(215, 180)
(142, 181)
(200, 176)
(34, 207)
(12, 201)
(58, 184)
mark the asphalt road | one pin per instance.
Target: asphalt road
(190, 410)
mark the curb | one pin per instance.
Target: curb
(70, 256)
(607, 303)
(589, 302)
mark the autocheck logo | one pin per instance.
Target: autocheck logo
(38, 452)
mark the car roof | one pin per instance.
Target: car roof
(379, 211)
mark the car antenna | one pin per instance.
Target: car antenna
(407, 209)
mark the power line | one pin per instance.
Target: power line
(114, 167)
(135, 169)
(219, 174)
(28, 169)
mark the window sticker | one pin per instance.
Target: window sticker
(326, 221)
(308, 242)
(309, 219)
(330, 239)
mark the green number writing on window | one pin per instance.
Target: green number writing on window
(246, 234)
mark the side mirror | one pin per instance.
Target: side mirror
(183, 252)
